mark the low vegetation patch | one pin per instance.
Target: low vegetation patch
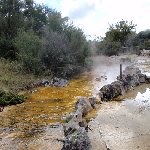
(8, 98)
(13, 77)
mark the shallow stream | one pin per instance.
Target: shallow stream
(32, 120)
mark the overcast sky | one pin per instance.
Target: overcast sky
(94, 16)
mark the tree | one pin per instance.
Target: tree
(78, 44)
(142, 40)
(116, 37)
(55, 53)
(11, 19)
(29, 46)
(55, 21)
(40, 38)
(120, 31)
(35, 16)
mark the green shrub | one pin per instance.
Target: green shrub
(8, 98)
(108, 47)
(29, 46)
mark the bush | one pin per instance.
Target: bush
(79, 47)
(55, 54)
(29, 46)
(109, 48)
(6, 48)
(10, 98)
(64, 54)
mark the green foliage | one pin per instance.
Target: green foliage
(116, 37)
(11, 17)
(14, 78)
(10, 20)
(78, 44)
(40, 38)
(62, 52)
(142, 40)
(8, 98)
(109, 47)
(55, 21)
(35, 16)
(55, 53)
(6, 48)
(144, 34)
(28, 46)
(120, 31)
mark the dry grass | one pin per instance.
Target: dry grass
(13, 77)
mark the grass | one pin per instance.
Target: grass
(8, 98)
(13, 77)
(13, 80)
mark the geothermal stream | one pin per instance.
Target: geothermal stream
(123, 124)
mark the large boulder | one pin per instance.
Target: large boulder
(112, 90)
(132, 80)
(106, 92)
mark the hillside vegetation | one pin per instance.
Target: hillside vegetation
(40, 39)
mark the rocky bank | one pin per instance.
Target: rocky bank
(76, 130)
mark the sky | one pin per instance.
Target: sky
(95, 16)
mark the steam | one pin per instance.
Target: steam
(105, 70)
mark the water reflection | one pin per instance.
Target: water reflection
(140, 102)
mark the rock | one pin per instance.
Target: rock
(59, 82)
(79, 114)
(92, 101)
(75, 129)
(84, 124)
(130, 70)
(131, 77)
(106, 92)
(45, 83)
(1, 108)
(142, 78)
(71, 126)
(83, 105)
(148, 79)
(132, 80)
(145, 52)
(117, 88)
(69, 116)
(124, 86)
(77, 140)
(112, 90)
